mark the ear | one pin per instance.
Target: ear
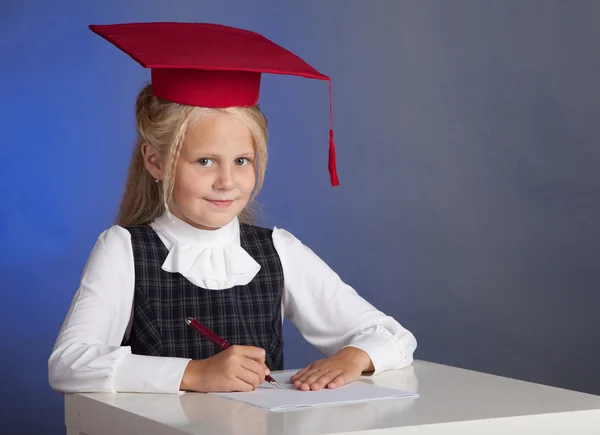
(153, 161)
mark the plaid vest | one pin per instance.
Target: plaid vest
(245, 315)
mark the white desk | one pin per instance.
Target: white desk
(452, 401)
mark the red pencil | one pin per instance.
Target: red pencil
(219, 341)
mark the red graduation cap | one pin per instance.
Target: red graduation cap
(210, 65)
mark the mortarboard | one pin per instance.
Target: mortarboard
(209, 65)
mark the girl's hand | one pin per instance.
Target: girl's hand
(238, 368)
(340, 369)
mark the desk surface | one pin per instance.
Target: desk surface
(452, 401)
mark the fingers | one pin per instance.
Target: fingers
(300, 378)
(315, 376)
(255, 368)
(331, 372)
(249, 377)
(317, 380)
(339, 380)
(252, 370)
(242, 386)
(256, 353)
(238, 368)
(300, 373)
(308, 378)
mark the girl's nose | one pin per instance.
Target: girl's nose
(224, 180)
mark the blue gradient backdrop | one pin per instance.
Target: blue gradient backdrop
(467, 135)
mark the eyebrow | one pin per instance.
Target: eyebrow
(219, 156)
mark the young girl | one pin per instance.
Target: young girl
(184, 245)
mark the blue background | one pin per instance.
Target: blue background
(467, 136)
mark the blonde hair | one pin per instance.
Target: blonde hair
(163, 125)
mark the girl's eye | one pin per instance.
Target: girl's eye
(205, 162)
(242, 161)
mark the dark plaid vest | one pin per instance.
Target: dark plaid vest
(245, 315)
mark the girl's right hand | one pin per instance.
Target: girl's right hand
(238, 368)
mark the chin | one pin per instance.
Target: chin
(212, 222)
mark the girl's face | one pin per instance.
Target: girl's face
(215, 172)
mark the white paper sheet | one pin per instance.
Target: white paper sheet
(289, 398)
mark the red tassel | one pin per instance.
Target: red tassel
(332, 162)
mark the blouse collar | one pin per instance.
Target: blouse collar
(211, 259)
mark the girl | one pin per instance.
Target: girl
(184, 244)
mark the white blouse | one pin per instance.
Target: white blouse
(88, 356)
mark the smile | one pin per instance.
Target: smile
(220, 202)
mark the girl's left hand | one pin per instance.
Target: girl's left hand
(340, 369)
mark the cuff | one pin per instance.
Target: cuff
(383, 351)
(148, 374)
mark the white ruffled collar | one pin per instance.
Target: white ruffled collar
(213, 260)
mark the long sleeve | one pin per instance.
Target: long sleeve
(331, 315)
(88, 356)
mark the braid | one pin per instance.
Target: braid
(173, 159)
